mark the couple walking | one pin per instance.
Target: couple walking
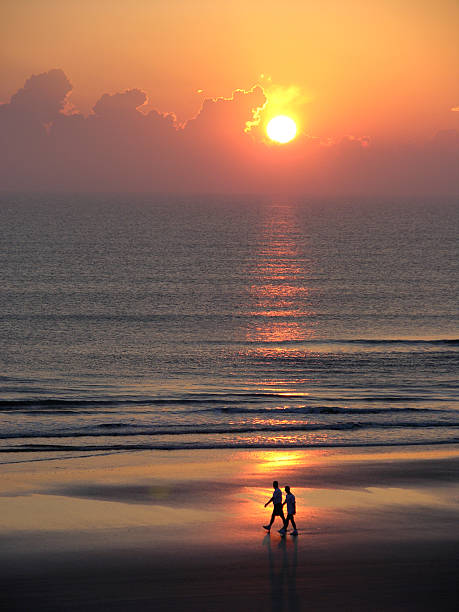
(278, 509)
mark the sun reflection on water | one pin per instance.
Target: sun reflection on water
(281, 291)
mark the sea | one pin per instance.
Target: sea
(140, 322)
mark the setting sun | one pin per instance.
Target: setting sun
(281, 129)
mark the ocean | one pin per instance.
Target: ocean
(141, 322)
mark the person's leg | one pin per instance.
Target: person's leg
(284, 524)
(273, 516)
(293, 522)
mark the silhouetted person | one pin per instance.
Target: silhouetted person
(291, 510)
(276, 499)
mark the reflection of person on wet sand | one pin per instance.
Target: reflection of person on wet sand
(291, 510)
(276, 499)
(283, 562)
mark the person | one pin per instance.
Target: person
(291, 510)
(276, 499)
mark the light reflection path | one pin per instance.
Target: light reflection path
(280, 294)
(281, 312)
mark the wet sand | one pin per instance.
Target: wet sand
(182, 531)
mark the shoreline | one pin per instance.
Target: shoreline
(114, 450)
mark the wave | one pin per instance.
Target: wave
(151, 318)
(167, 446)
(114, 425)
(324, 410)
(228, 430)
(449, 342)
(49, 405)
(187, 399)
(374, 341)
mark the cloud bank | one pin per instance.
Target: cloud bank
(46, 145)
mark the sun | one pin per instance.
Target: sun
(281, 129)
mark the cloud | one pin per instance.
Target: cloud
(120, 103)
(122, 145)
(227, 117)
(43, 96)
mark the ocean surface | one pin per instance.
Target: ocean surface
(140, 322)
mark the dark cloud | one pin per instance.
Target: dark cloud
(121, 146)
(42, 97)
(120, 104)
(24, 126)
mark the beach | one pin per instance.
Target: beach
(182, 530)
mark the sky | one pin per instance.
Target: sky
(372, 87)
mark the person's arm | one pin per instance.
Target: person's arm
(284, 503)
(268, 502)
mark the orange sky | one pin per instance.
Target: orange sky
(383, 69)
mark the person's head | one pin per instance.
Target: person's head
(275, 484)
(287, 489)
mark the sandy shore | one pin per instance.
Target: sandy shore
(182, 531)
